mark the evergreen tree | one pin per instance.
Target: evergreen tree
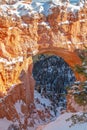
(83, 68)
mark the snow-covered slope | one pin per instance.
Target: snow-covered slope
(65, 123)
(4, 124)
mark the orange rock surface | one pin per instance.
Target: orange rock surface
(43, 34)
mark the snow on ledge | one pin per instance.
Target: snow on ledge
(22, 8)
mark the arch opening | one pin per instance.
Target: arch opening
(52, 75)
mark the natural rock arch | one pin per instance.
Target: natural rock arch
(71, 58)
(25, 89)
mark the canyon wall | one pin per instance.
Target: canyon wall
(61, 32)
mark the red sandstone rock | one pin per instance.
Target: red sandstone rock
(41, 35)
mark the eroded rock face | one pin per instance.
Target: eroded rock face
(7, 107)
(25, 34)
